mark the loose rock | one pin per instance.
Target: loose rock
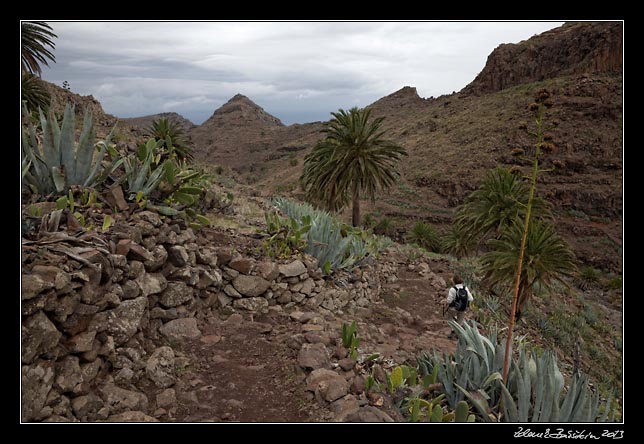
(160, 367)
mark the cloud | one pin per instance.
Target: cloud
(295, 70)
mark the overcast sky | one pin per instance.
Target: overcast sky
(297, 71)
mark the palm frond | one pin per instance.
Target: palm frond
(34, 39)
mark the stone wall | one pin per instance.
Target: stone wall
(98, 310)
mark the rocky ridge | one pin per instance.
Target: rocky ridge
(146, 121)
(574, 48)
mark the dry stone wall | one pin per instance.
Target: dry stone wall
(99, 311)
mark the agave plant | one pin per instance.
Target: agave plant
(140, 177)
(534, 388)
(58, 162)
(534, 393)
(473, 369)
(334, 244)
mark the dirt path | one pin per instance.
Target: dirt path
(247, 371)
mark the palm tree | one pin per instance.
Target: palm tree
(547, 259)
(496, 204)
(352, 162)
(172, 137)
(35, 36)
(34, 93)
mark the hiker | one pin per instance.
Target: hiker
(458, 299)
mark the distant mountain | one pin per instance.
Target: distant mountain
(144, 122)
(241, 135)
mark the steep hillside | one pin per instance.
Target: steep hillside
(146, 121)
(454, 140)
(574, 48)
(61, 96)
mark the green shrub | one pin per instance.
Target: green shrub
(171, 139)
(384, 227)
(587, 277)
(615, 283)
(425, 236)
(285, 236)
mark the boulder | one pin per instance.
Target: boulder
(313, 356)
(121, 400)
(179, 329)
(167, 399)
(176, 293)
(267, 270)
(242, 264)
(231, 292)
(160, 367)
(259, 305)
(122, 322)
(318, 375)
(158, 257)
(178, 255)
(331, 389)
(151, 283)
(53, 274)
(83, 405)
(130, 289)
(82, 342)
(150, 217)
(37, 380)
(368, 414)
(294, 268)
(39, 335)
(139, 253)
(250, 286)
(209, 278)
(32, 285)
(206, 256)
(68, 374)
(307, 287)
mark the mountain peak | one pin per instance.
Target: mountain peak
(404, 97)
(239, 96)
(240, 110)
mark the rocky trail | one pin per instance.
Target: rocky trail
(255, 370)
(156, 323)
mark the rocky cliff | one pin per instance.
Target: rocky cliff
(574, 48)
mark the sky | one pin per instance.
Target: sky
(297, 71)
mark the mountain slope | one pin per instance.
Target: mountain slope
(454, 140)
(146, 121)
